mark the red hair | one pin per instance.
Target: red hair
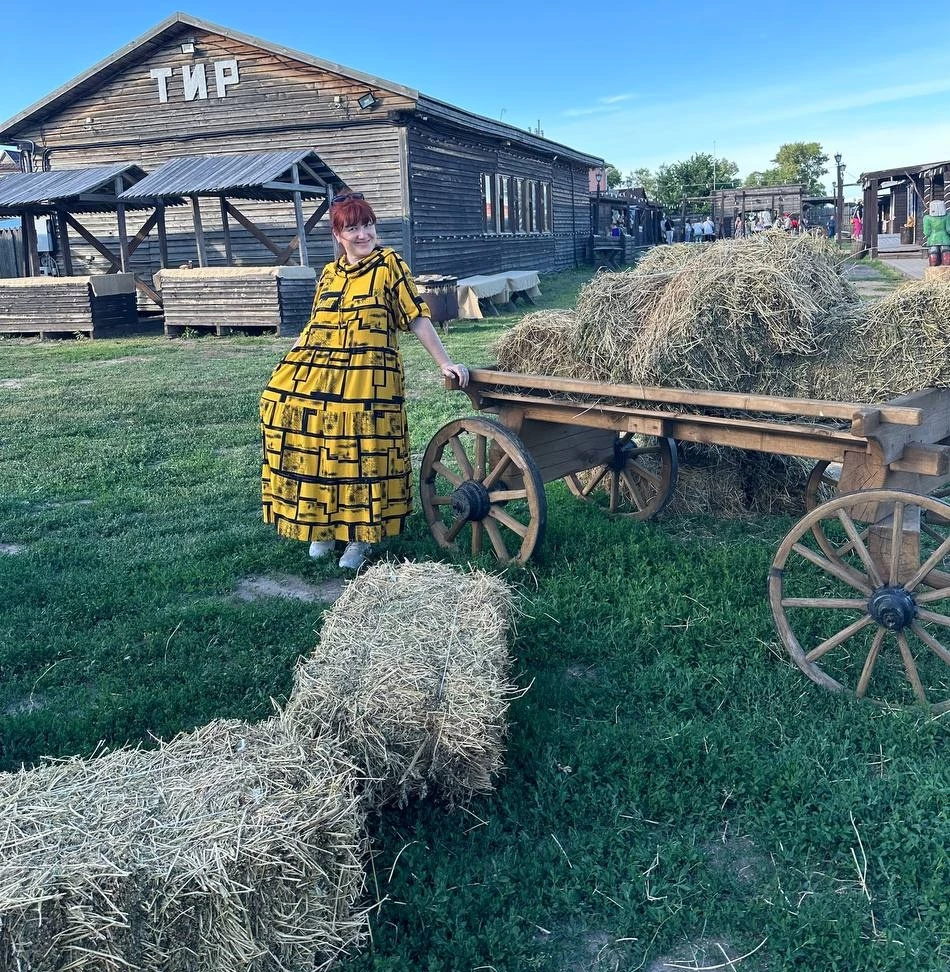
(352, 212)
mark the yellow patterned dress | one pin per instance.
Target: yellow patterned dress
(336, 448)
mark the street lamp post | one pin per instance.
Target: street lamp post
(839, 196)
(598, 175)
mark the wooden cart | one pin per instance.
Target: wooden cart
(860, 586)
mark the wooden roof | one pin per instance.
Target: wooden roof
(246, 175)
(180, 23)
(87, 190)
(903, 171)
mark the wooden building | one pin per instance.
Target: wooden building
(748, 201)
(455, 193)
(896, 201)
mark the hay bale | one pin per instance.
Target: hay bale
(542, 342)
(411, 678)
(234, 848)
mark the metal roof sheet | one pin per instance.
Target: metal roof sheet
(245, 175)
(21, 190)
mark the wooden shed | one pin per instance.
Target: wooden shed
(896, 201)
(455, 192)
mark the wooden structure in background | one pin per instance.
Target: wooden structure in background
(891, 196)
(93, 306)
(228, 300)
(455, 193)
(64, 195)
(743, 201)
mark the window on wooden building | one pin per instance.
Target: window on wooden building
(512, 204)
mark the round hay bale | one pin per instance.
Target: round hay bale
(543, 343)
(411, 678)
(234, 847)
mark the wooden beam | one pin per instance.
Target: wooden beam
(284, 255)
(301, 226)
(295, 186)
(64, 240)
(199, 232)
(226, 227)
(123, 232)
(252, 229)
(143, 232)
(162, 236)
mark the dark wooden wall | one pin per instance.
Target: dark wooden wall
(445, 189)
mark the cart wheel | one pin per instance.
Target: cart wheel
(478, 475)
(871, 617)
(637, 482)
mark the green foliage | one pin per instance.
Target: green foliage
(613, 176)
(672, 782)
(795, 162)
(644, 179)
(695, 176)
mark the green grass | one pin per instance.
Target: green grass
(672, 781)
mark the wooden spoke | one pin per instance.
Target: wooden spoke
(931, 642)
(498, 544)
(481, 445)
(842, 636)
(857, 542)
(509, 521)
(869, 663)
(443, 470)
(595, 480)
(808, 590)
(635, 479)
(474, 498)
(839, 570)
(928, 596)
(929, 564)
(851, 603)
(501, 467)
(913, 676)
(458, 450)
(934, 618)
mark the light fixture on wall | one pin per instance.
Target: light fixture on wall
(188, 45)
(368, 100)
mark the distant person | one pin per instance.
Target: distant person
(832, 228)
(738, 230)
(857, 226)
(698, 234)
(687, 231)
(709, 230)
(667, 227)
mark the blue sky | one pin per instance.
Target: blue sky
(639, 84)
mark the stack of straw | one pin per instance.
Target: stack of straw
(239, 848)
(411, 680)
(228, 849)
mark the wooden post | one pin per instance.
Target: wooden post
(64, 240)
(199, 232)
(31, 259)
(162, 237)
(123, 232)
(298, 212)
(869, 229)
(228, 254)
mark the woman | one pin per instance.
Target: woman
(336, 449)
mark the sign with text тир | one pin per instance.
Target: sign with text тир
(195, 79)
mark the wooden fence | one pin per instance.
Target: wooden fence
(11, 253)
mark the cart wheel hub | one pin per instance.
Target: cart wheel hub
(892, 608)
(471, 500)
(622, 453)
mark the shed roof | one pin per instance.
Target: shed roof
(86, 190)
(244, 175)
(903, 170)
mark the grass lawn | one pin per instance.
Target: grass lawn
(676, 791)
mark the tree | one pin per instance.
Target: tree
(802, 162)
(644, 179)
(612, 175)
(698, 175)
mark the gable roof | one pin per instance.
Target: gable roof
(41, 191)
(179, 23)
(158, 36)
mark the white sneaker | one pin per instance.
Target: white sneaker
(355, 555)
(321, 548)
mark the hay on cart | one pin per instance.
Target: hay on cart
(411, 677)
(228, 849)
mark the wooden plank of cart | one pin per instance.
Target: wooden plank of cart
(859, 587)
